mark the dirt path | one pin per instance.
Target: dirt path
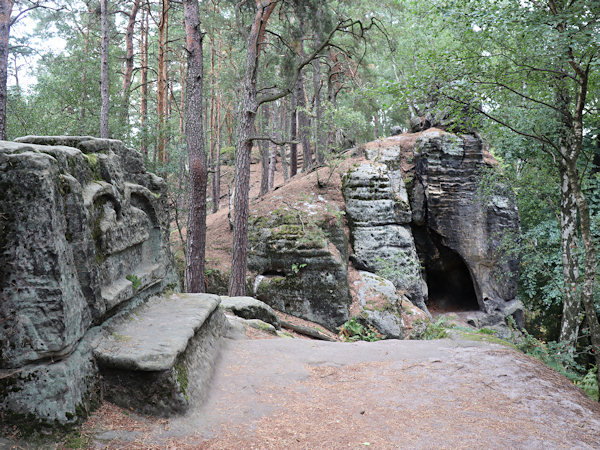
(291, 393)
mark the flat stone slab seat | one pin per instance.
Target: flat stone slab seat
(161, 355)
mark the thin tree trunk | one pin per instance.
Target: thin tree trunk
(128, 72)
(303, 124)
(144, 82)
(319, 139)
(196, 232)
(283, 123)
(83, 98)
(264, 152)
(293, 136)
(6, 7)
(248, 109)
(104, 91)
(216, 181)
(272, 166)
(161, 100)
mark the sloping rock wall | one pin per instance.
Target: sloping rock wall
(84, 234)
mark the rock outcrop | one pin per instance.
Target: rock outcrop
(300, 260)
(379, 218)
(450, 212)
(457, 231)
(84, 234)
(160, 357)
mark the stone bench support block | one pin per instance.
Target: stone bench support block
(160, 357)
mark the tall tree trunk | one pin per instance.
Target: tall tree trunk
(196, 232)
(303, 124)
(317, 84)
(264, 152)
(272, 166)
(162, 88)
(128, 72)
(6, 7)
(248, 109)
(104, 91)
(83, 98)
(282, 127)
(571, 297)
(144, 81)
(293, 136)
(216, 181)
(216, 184)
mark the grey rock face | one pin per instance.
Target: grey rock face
(301, 265)
(250, 308)
(52, 394)
(147, 358)
(83, 234)
(381, 306)
(449, 215)
(379, 218)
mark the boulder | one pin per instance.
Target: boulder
(250, 308)
(380, 304)
(299, 257)
(84, 235)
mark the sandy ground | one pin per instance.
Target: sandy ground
(304, 394)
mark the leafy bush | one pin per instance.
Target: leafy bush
(589, 383)
(428, 330)
(353, 331)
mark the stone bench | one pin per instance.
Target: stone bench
(160, 356)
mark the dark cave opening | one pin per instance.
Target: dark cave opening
(448, 279)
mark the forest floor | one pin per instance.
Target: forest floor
(305, 394)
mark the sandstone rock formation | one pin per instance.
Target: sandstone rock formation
(379, 218)
(84, 235)
(300, 258)
(457, 232)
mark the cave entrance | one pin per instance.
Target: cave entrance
(448, 279)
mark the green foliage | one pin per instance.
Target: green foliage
(135, 281)
(589, 383)
(425, 329)
(297, 267)
(353, 331)
(76, 439)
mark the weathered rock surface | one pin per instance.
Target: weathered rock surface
(456, 231)
(300, 259)
(250, 308)
(148, 356)
(449, 214)
(84, 234)
(381, 306)
(379, 217)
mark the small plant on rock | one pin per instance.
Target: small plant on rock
(353, 331)
(428, 330)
